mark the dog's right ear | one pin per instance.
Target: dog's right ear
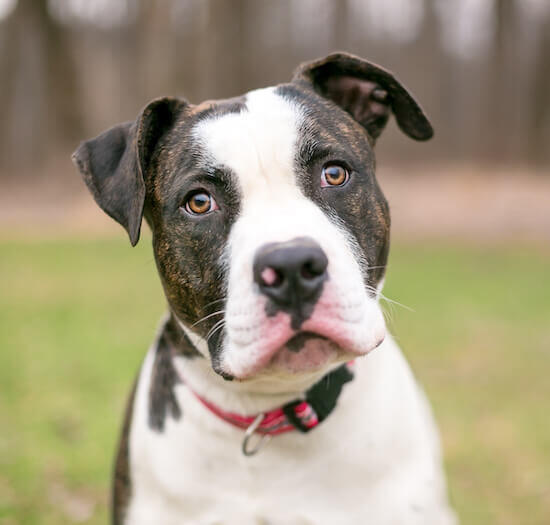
(115, 164)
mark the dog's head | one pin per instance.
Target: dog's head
(270, 231)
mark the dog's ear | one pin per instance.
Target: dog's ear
(115, 164)
(367, 92)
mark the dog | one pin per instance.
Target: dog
(273, 393)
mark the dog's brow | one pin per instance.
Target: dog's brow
(219, 173)
(220, 176)
(311, 151)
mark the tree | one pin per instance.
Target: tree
(40, 99)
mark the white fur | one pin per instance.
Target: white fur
(374, 460)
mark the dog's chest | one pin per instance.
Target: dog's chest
(194, 473)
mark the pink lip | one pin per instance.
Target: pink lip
(278, 333)
(309, 357)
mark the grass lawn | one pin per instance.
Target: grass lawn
(76, 318)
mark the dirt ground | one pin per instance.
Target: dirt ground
(469, 203)
(449, 202)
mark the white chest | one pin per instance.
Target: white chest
(375, 459)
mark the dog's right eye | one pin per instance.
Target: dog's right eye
(200, 203)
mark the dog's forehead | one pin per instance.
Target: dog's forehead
(257, 142)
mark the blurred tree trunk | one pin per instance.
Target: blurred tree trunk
(220, 72)
(501, 121)
(441, 83)
(187, 32)
(340, 26)
(65, 113)
(41, 108)
(23, 91)
(539, 108)
(57, 76)
(127, 41)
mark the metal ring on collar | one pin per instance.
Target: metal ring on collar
(248, 435)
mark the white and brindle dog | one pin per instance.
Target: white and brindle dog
(258, 403)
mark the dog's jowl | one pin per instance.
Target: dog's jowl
(272, 393)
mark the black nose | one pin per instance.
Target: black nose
(291, 274)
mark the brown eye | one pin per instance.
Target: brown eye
(200, 203)
(334, 175)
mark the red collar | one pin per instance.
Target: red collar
(273, 422)
(302, 414)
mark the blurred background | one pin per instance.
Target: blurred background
(471, 224)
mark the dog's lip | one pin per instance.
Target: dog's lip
(293, 345)
(332, 330)
(297, 341)
(308, 357)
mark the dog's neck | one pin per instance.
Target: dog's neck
(261, 393)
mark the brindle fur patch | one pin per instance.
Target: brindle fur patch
(189, 250)
(329, 133)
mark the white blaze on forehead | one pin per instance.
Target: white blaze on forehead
(257, 144)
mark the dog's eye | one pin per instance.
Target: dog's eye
(200, 202)
(334, 175)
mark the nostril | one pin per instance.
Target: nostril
(271, 277)
(313, 268)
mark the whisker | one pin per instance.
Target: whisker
(219, 324)
(387, 299)
(388, 311)
(391, 301)
(213, 302)
(219, 312)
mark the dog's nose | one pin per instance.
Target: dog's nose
(291, 274)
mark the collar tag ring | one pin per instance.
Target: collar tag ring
(248, 451)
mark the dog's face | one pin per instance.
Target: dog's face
(269, 229)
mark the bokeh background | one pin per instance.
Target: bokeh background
(470, 259)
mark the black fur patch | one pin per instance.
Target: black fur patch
(164, 377)
(115, 164)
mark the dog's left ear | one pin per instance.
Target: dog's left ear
(115, 164)
(367, 92)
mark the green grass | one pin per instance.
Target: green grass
(76, 318)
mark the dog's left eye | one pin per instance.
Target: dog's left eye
(200, 203)
(334, 175)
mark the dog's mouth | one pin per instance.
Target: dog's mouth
(329, 337)
(297, 342)
(305, 352)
